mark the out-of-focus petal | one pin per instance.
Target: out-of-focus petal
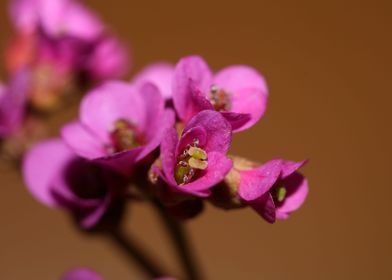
(109, 59)
(81, 274)
(108, 103)
(40, 166)
(160, 74)
(237, 77)
(82, 141)
(24, 15)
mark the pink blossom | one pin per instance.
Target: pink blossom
(239, 92)
(119, 125)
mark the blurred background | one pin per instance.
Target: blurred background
(328, 66)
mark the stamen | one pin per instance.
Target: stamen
(198, 164)
(190, 162)
(197, 153)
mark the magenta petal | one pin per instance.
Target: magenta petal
(252, 101)
(82, 141)
(218, 167)
(190, 73)
(297, 191)
(256, 182)
(160, 74)
(238, 77)
(237, 120)
(217, 128)
(40, 166)
(106, 104)
(265, 207)
(289, 167)
(81, 274)
(168, 155)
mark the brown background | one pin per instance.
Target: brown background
(328, 65)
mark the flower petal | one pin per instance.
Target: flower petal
(168, 155)
(109, 60)
(265, 207)
(237, 120)
(297, 191)
(108, 103)
(217, 128)
(256, 182)
(160, 74)
(191, 73)
(289, 167)
(41, 165)
(82, 141)
(237, 77)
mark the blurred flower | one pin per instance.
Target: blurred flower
(64, 44)
(238, 92)
(13, 103)
(274, 189)
(81, 274)
(119, 125)
(160, 74)
(58, 178)
(197, 161)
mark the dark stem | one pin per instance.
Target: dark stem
(134, 251)
(180, 240)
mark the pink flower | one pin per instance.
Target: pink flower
(13, 103)
(160, 74)
(275, 189)
(238, 92)
(58, 178)
(119, 125)
(197, 161)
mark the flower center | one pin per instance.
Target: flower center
(192, 160)
(220, 99)
(124, 136)
(279, 192)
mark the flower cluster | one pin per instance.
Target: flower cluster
(59, 48)
(166, 134)
(163, 136)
